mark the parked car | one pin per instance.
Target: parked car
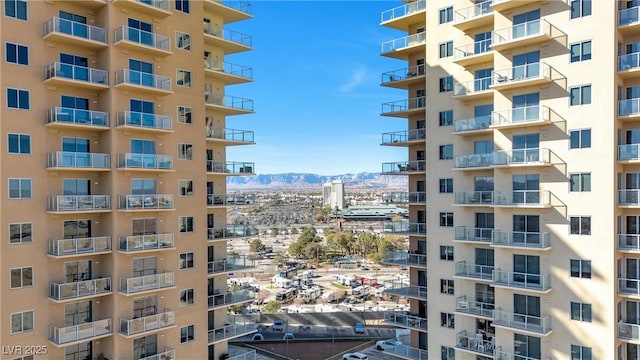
(278, 325)
(355, 356)
(288, 336)
(257, 337)
(387, 344)
(358, 328)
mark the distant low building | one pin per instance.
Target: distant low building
(371, 212)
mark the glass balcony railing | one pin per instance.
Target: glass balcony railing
(403, 197)
(148, 323)
(402, 289)
(82, 332)
(465, 233)
(230, 199)
(535, 198)
(629, 107)
(63, 115)
(473, 161)
(158, 4)
(403, 74)
(472, 124)
(228, 68)
(405, 319)
(629, 16)
(231, 135)
(522, 31)
(243, 354)
(520, 115)
(146, 202)
(230, 167)
(404, 227)
(404, 166)
(403, 10)
(145, 38)
(135, 284)
(403, 136)
(629, 242)
(231, 331)
(503, 355)
(404, 105)
(167, 354)
(528, 157)
(629, 61)
(629, 286)
(66, 247)
(629, 152)
(521, 73)
(404, 42)
(231, 231)
(79, 203)
(228, 35)
(408, 352)
(243, 6)
(231, 102)
(629, 197)
(404, 257)
(518, 280)
(137, 78)
(233, 263)
(472, 87)
(229, 298)
(475, 343)
(541, 325)
(65, 291)
(146, 242)
(521, 239)
(145, 161)
(78, 160)
(472, 12)
(143, 120)
(464, 269)
(77, 73)
(76, 29)
(473, 49)
(475, 308)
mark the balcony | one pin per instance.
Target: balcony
(230, 168)
(403, 197)
(404, 167)
(534, 74)
(80, 289)
(229, 137)
(629, 65)
(403, 78)
(520, 117)
(234, 263)
(133, 120)
(474, 308)
(521, 322)
(472, 235)
(504, 158)
(473, 198)
(75, 118)
(406, 320)
(629, 242)
(629, 109)
(151, 242)
(167, 354)
(473, 54)
(402, 17)
(629, 152)
(75, 33)
(148, 324)
(139, 40)
(522, 198)
(401, 48)
(231, 232)
(629, 197)
(628, 331)
(473, 271)
(79, 247)
(404, 138)
(230, 11)
(471, 126)
(149, 202)
(478, 15)
(407, 352)
(473, 161)
(145, 162)
(69, 335)
(67, 160)
(229, 105)
(62, 204)
(159, 8)
(403, 257)
(63, 74)
(405, 227)
(402, 289)
(230, 199)
(138, 284)
(503, 5)
(474, 89)
(629, 287)
(228, 73)
(475, 344)
(522, 281)
(138, 81)
(231, 331)
(229, 41)
(230, 298)
(503, 355)
(628, 19)
(520, 35)
(242, 354)
(404, 108)
(521, 240)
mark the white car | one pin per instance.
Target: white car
(387, 344)
(355, 356)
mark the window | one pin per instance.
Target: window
(16, 54)
(19, 143)
(79, 351)
(580, 225)
(447, 353)
(445, 152)
(182, 5)
(580, 95)
(447, 320)
(580, 182)
(580, 139)
(580, 312)
(19, 188)
(21, 277)
(186, 297)
(580, 8)
(186, 333)
(185, 187)
(21, 322)
(446, 118)
(183, 40)
(186, 261)
(185, 151)
(580, 268)
(446, 286)
(183, 78)
(581, 51)
(446, 219)
(446, 253)
(446, 49)
(16, 9)
(580, 352)
(446, 15)
(184, 114)
(446, 83)
(446, 186)
(18, 99)
(20, 233)
(186, 224)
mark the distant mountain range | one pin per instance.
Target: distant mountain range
(306, 181)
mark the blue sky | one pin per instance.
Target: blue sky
(317, 69)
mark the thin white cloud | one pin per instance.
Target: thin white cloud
(355, 79)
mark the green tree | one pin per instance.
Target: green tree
(271, 307)
(279, 259)
(256, 245)
(275, 231)
(294, 231)
(307, 237)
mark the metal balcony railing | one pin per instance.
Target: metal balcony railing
(404, 105)
(472, 87)
(408, 352)
(64, 291)
(145, 38)
(234, 263)
(231, 331)
(231, 231)
(533, 71)
(629, 107)
(77, 73)
(404, 257)
(472, 12)
(473, 49)
(79, 203)
(475, 343)
(403, 10)
(465, 233)
(227, 101)
(62, 115)
(522, 31)
(404, 227)
(147, 242)
(476, 308)
(233, 135)
(629, 242)
(404, 42)
(143, 120)
(629, 61)
(228, 68)
(519, 280)
(228, 35)
(76, 29)
(134, 284)
(145, 202)
(521, 239)
(405, 319)
(159, 4)
(628, 331)
(628, 286)
(404, 166)
(520, 115)
(472, 124)
(135, 77)
(135, 326)
(537, 324)
(628, 16)
(230, 199)
(68, 159)
(243, 6)
(230, 167)
(403, 136)
(402, 289)
(167, 354)
(65, 247)
(537, 156)
(145, 161)
(403, 197)
(86, 331)
(244, 355)
(629, 152)
(230, 298)
(403, 74)
(464, 269)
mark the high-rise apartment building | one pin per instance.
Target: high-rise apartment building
(113, 175)
(333, 194)
(526, 220)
